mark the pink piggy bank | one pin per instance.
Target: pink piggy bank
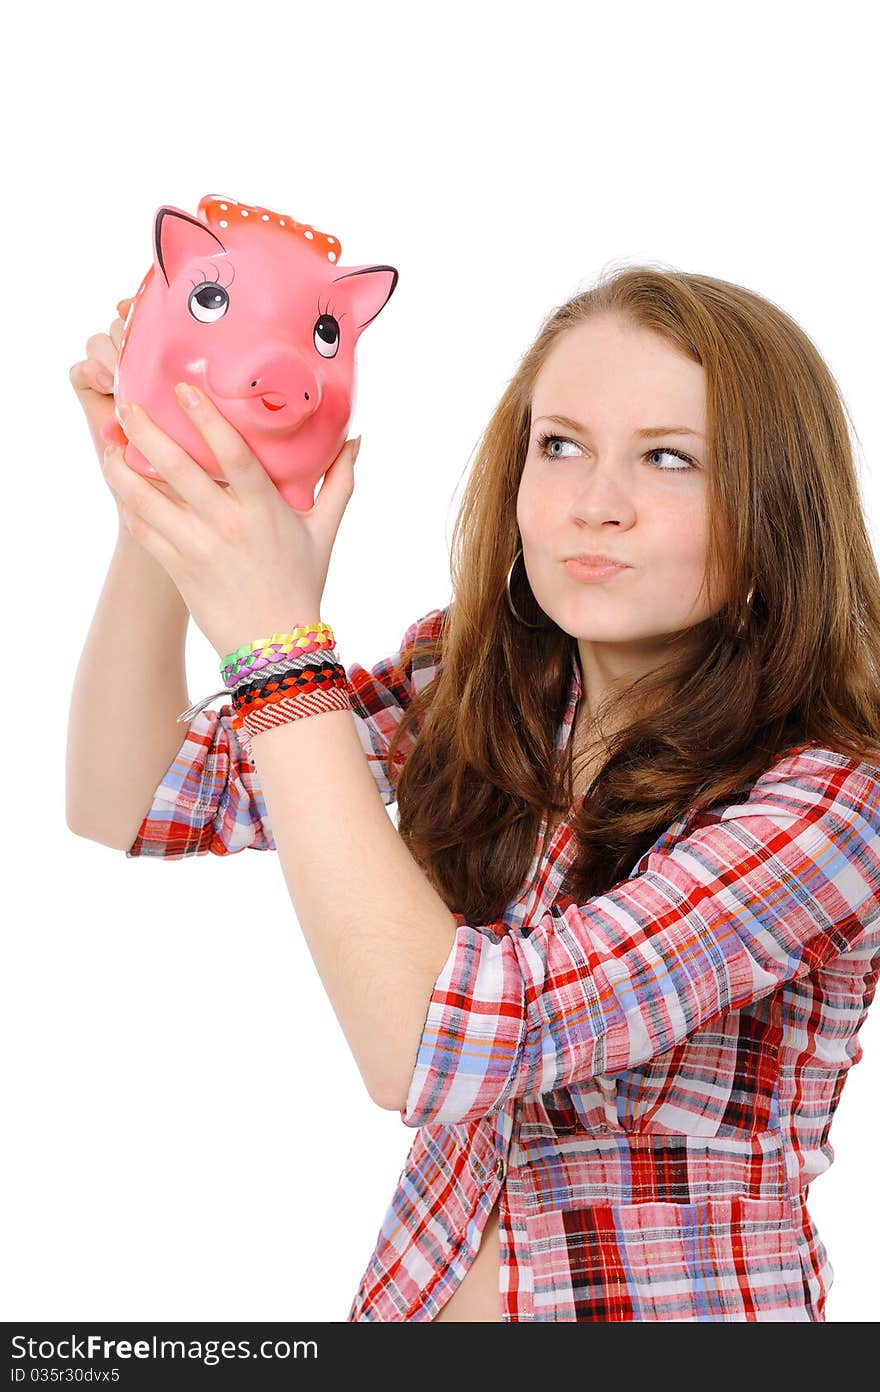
(255, 309)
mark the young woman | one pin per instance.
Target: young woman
(637, 758)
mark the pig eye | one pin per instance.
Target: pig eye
(208, 302)
(327, 336)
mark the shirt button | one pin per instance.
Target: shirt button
(499, 1169)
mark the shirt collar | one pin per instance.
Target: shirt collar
(575, 691)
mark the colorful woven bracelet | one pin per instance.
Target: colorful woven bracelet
(253, 684)
(292, 708)
(308, 678)
(252, 656)
(307, 688)
(266, 652)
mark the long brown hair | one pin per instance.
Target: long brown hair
(785, 514)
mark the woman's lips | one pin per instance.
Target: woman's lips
(587, 571)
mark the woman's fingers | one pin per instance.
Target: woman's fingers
(87, 376)
(92, 380)
(118, 326)
(193, 483)
(101, 351)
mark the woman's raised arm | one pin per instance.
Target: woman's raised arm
(209, 799)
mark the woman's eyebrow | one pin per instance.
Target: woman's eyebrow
(647, 432)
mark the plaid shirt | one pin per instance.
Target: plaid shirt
(644, 1082)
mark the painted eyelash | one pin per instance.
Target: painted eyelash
(213, 280)
(328, 309)
(544, 440)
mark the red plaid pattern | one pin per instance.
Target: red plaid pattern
(645, 1083)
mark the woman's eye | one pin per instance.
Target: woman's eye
(546, 441)
(674, 454)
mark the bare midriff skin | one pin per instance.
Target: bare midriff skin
(478, 1295)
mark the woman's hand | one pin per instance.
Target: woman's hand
(246, 563)
(92, 380)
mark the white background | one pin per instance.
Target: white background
(187, 1134)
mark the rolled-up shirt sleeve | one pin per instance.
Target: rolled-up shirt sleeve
(209, 799)
(766, 893)
(381, 694)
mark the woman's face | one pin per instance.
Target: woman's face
(603, 487)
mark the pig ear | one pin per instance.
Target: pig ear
(366, 290)
(177, 238)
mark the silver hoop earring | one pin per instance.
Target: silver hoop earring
(744, 621)
(542, 623)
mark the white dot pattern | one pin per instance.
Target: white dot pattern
(214, 203)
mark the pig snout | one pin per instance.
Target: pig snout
(283, 386)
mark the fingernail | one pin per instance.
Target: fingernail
(187, 394)
(124, 413)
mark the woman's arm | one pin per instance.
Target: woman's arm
(376, 928)
(209, 799)
(760, 895)
(129, 688)
(447, 1021)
